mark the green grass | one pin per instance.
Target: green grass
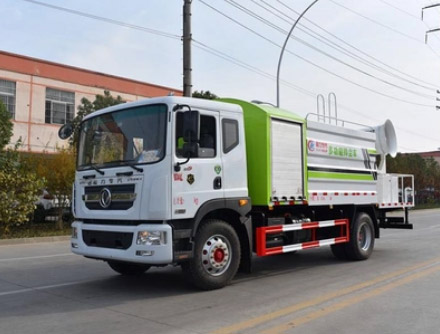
(37, 230)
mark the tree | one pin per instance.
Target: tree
(87, 107)
(426, 173)
(19, 188)
(410, 164)
(204, 95)
(6, 126)
(59, 172)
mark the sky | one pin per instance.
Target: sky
(371, 54)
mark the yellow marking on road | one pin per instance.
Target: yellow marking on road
(318, 300)
(348, 302)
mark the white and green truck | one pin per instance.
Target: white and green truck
(207, 184)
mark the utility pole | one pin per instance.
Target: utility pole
(187, 36)
(426, 41)
(432, 30)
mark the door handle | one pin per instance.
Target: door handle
(218, 182)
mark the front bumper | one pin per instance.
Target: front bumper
(154, 254)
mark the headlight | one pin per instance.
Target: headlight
(74, 233)
(150, 238)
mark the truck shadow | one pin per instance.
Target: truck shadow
(164, 287)
(285, 264)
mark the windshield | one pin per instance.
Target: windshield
(135, 135)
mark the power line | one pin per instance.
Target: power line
(326, 41)
(249, 67)
(400, 9)
(301, 90)
(407, 13)
(377, 22)
(212, 51)
(384, 26)
(431, 85)
(314, 64)
(261, 19)
(149, 30)
(164, 34)
(107, 20)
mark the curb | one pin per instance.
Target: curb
(21, 241)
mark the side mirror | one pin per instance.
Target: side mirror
(191, 126)
(65, 131)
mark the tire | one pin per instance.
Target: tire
(216, 256)
(128, 269)
(361, 243)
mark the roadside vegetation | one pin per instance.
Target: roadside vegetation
(426, 177)
(33, 230)
(19, 187)
(25, 178)
(204, 94)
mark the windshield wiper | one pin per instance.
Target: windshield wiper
(132, 165)
(128, 163)
(97, 169)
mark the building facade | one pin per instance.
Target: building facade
(433, 154)
(42, 96)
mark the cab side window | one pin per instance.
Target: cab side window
(208, 136)
(207, 145)
(229, 134)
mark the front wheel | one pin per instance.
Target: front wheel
(128, 269)
(216, 256)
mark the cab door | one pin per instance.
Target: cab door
(200, 179)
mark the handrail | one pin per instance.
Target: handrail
(330, 95)
(341, 121)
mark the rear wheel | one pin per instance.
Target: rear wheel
(361, 242)
(216, 256)
(128, 269)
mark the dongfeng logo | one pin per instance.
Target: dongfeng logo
(106, 198)
(311, 145)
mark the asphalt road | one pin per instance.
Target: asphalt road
(46, 289)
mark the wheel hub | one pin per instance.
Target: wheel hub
(219, 255)
(216, 255)
(364, 237)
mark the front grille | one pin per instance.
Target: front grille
(123, 197)
(121, 188)
(120, 222)
(104, 239)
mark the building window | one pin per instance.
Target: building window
(60, 106)
(7, 95)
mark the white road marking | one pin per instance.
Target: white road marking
(35, 257)
(38, 288)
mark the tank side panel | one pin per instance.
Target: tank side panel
(341, 165)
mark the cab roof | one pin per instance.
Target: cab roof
(171, 101)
